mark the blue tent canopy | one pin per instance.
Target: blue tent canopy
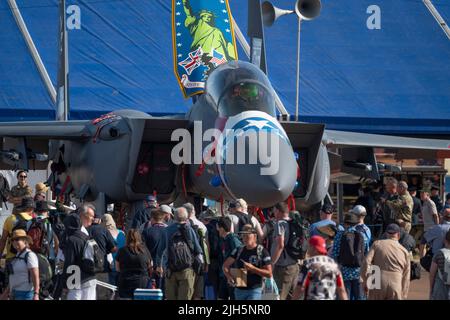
(392, 80)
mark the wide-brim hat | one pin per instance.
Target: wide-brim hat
(21, 234)
(41, 187)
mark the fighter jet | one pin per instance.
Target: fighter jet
(126, 155)
(229, 145)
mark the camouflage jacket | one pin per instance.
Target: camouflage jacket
(402, 207)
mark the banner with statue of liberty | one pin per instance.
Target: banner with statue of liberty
(203, 39)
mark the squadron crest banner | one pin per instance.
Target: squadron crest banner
(203, 39)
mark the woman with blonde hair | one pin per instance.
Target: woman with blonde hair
(119, 237)
(134, 264)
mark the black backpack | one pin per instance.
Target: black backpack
(297, 243)
(352, 248)
(243, 220)
(93, 258)
(180, 254)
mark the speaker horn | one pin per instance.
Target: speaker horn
(308, 9)
(271, 13)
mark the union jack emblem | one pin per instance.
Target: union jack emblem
(193, 61)
(217, 58)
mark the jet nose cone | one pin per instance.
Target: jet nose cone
(268, 181)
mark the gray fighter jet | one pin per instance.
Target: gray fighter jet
(229, 145)
(126, 155)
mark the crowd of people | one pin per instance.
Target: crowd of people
(235, 255)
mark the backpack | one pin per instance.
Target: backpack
(58, 226)
(93, 258)
(20, 224)
(297, 243)
(45, 274)
(270, 225)
(243, 220)
(201, 240)
(446, 253)
(351, 253)
(179, 254)
(38, 231)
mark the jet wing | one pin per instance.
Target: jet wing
(342, 139)
(32, 140)
(63, 130)
(356, 158)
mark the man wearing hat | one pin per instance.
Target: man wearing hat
(23, 213)
(42, 211)
(351, 274)
(156, 242)
(142, 210)
(429, 211)
(434, 196)
(168, 214)
(320, 278)
(361, 213)
(393, 262)
(326, 214)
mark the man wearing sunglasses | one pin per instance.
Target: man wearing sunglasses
(20, 191)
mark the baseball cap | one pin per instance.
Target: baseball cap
(434, 187)
(351, 218)
(359, 210)
(328, 209)
(393, 228)
(165, 208)
(318, 243)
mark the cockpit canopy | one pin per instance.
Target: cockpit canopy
(240, 86)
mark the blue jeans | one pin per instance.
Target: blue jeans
(113, 278)
(251, 294)
(22, 295)
(354, 290)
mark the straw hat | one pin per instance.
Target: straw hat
(41, 187)
(21, 234)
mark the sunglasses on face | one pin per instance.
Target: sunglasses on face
(22, 177)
